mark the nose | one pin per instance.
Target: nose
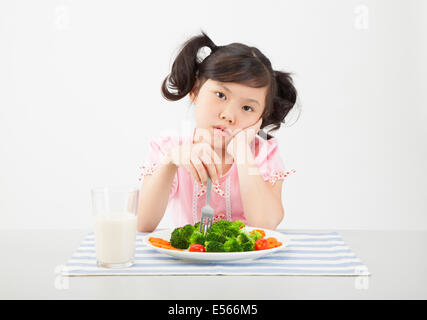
(227, 117)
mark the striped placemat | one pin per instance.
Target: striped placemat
(308, 253)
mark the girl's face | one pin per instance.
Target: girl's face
(228, 105)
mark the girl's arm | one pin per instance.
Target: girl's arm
(261, 202)
(154, 196)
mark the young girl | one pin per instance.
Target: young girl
(236, 93)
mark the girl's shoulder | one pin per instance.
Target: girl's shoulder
(269, 161)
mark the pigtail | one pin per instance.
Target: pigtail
(184, 69)
(284, 98)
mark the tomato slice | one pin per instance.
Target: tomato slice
(261, 244)
(197, 248)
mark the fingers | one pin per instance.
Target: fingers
(235, 132)
(256, 126)
(184, 158)
(200, 160)
(207, 163)
(215, 169)
(198, 169)
(212, 169)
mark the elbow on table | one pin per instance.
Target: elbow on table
(271, 224)
(280, 219)
(144, 227)
(276, 220)
(275, 223)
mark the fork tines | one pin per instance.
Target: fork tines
(205, 224)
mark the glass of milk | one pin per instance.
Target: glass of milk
(114, 213)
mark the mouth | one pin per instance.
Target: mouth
(221, 131)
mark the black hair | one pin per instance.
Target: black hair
(235, 62)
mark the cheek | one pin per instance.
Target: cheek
(209, 107)
(245, 122)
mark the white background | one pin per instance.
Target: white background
(80, 99)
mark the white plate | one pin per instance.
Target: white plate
(217, 256)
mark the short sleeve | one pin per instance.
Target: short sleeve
(157, 150)
(269, 162)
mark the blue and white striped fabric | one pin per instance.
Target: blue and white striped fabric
(313, 253)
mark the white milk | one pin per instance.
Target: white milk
(115, 237)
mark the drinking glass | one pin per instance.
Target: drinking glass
(114, 213)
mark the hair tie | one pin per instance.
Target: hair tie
(203, 53)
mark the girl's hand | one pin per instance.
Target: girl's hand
(197, 158)
(241, 140)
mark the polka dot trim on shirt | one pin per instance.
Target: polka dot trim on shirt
(278, 175)
(219, 216)
(216, 188)
(147, 170)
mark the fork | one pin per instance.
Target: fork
(207, 211)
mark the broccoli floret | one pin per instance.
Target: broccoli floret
(231, 245)
(178, 239)
(232, 231)
(197, 238)
(246, 242)
(255, 235)
(243, 238)
(226, 228)
(214, 236)
(188, 230)
(248, 246)
(214, 246)
(197, 226)
(232, 235)
(221, 226)
(238, 223)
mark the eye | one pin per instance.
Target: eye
(220, 94)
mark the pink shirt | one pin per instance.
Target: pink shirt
(187, 196)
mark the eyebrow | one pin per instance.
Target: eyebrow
(248, 99)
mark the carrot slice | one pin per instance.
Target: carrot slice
(272, 242)
(161, 243)
(261, 231)
(165, 246)
(158, 240)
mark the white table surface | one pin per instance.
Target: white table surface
(397, 261)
